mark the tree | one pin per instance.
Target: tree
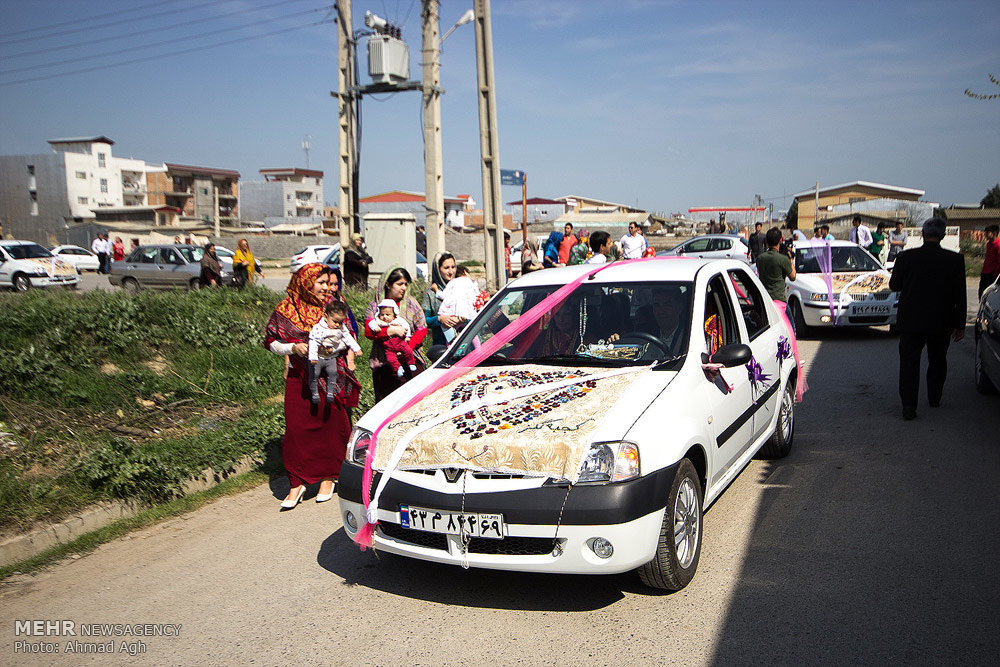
(992, 198)
(984, 96)
(792, 217)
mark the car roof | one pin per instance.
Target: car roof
(671, 269)
(7, 242)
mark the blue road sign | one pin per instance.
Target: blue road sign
(511, 177)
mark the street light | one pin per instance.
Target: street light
(467, 17)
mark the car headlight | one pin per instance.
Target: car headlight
(357, 446)
(610, 462)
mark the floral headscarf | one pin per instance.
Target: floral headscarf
(302, 307)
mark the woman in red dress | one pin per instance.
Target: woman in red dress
(315, 435)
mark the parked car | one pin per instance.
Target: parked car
(79, 258)
(163, 266)
(861, 295)
(421, 266)
(225, 256)
(311, 253)
(25, 264)
(597, 476)
(712, 246)
(988, 341)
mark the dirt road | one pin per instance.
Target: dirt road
(872, 542)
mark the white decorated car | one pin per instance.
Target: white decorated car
(590, 440)
(25, 264)
(859, 286)
(79, 258)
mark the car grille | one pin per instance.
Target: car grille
(876, 296)
(508, 546)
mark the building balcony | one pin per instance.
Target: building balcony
(133, 188)
(304, 204)
(226, 195)
(179, 193)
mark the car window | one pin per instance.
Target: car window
(222, 252)
(134, 256)
(168, 256)
(26, 251)
(604, 324)
(697, 245)
(720, 318)
(842, 258)
(751, 303)
(148, 255)
(333, 256)
(192, 255)
(721, 244)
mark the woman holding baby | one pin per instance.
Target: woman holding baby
(388, 335)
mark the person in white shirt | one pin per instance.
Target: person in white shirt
(600, 243)
(328, 339)
(458, 298)
(633, 243)
(861, 234)
(101, 249)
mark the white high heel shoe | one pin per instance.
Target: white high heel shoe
(323, 497)
(289, 503)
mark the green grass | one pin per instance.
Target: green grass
(153, 515)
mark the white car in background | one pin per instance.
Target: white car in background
(711, 246)
(592, 476)
(860, 289)
(80, 258)
(25, 264)
(310, 254)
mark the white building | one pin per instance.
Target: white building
(290, 195)
(41, 195)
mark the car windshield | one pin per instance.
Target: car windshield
(845, 258)
(333, 256)
(191, 254)
(598, 325)
(26, 251)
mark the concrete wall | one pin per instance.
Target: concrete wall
(48, 227)
(274, 247)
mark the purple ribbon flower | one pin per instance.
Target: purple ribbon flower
(756, 374)
(784, 349)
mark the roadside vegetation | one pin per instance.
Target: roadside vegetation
(106, 395)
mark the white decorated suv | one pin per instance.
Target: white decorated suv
(25, 264)
(593, 436)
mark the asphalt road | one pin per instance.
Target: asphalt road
(873, 542)
(276, 279)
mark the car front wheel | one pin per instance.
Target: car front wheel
(679, 545)
(799, 320)
(130, 285)
(983, 384)
(22, 283)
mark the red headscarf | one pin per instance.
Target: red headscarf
(302, 307)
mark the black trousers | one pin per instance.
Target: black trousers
(102, 262)
(911, 346)
(985, 280)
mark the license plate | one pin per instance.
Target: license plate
(490, 526)
(869, 309)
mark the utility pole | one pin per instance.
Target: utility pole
(433, 169)
(215, 200)
(489, 146)
(346, 84)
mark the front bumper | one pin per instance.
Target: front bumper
(549, 527)
(818, 315)
(54, 281)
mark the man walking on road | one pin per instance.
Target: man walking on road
(931, 285)
(991, 263)
(860, 233)
(99, 249)
(758, 244)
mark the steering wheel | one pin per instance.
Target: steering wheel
(649, 338)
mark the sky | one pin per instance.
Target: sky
(657, 104)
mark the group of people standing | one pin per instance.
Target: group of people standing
(107, 251)
(569, 247)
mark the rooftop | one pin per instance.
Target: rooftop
(292, 171)
(82, 140)
(207, 171)
(861, 184)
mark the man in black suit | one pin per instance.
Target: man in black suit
(931, 285)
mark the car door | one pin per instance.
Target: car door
(173, 271)
(731, 395)
(694, 248)
(720, 248)
(143, 266)
(5, 268)
(762, 336)
(989, 334)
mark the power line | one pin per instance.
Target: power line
(134, 33)
(166, 55)
(116, 52)
(85, 20)
(69, 31)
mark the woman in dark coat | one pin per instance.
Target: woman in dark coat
(211, 268)
(315, 435)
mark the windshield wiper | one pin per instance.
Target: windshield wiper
(575, 359)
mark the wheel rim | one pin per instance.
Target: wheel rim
(787, 415)
(22, 284)
(687, 523)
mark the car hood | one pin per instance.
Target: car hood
(546, 432)
(53, 266)
(856, 282)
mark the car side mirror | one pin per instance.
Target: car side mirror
(736, 354)
(680, 251)
(436, 352)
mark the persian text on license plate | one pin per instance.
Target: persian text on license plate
(869, 309)
(490, 526)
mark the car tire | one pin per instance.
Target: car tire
(780, 443)
(983, 384)
(802, 330)
(194, 283)
(21, 282)
(130, 285)
(676, 559)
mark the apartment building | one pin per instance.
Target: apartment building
(284, 196)
(198, 192)
(41, 195)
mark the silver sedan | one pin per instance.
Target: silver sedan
(161, 267)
